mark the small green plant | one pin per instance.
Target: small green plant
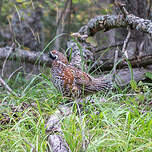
(149, 75)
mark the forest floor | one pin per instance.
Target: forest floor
(120, 120)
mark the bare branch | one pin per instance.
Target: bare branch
(108, 22)
(122, 8)
(9, 52)
(126, 43)
(148, 8)
(115, 64)
(4, 84)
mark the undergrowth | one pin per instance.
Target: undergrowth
(120, 120)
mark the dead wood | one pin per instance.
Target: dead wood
(56, 141)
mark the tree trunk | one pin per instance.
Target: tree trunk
(63, 20)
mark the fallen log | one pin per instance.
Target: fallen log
(43, 59)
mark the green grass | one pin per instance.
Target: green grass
(122, 123)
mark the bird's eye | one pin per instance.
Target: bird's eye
(53, 56)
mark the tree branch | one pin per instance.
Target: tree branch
(108, 22)
(9, 52)
(5, 86)
(27, 56)
(141, 61)
(126, 43)
(43, 59)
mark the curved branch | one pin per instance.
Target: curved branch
(108, 22)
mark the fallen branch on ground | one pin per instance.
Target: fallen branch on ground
(43, 59)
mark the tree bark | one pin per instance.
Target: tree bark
(62, 21)
(56, 141)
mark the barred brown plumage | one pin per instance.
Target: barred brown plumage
(71, 81)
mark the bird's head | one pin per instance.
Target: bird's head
(55, 55)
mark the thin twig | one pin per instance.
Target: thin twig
(5, 86)
(148, 9)
(115, 64)
(126, 43)
(121, 7)
(142, 45)
(9, 52)
(125, 13)
(62, 14)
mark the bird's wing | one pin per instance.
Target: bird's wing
(81, 79)
(75, 77)
(89, 83)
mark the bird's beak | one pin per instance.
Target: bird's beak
(53, 57)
